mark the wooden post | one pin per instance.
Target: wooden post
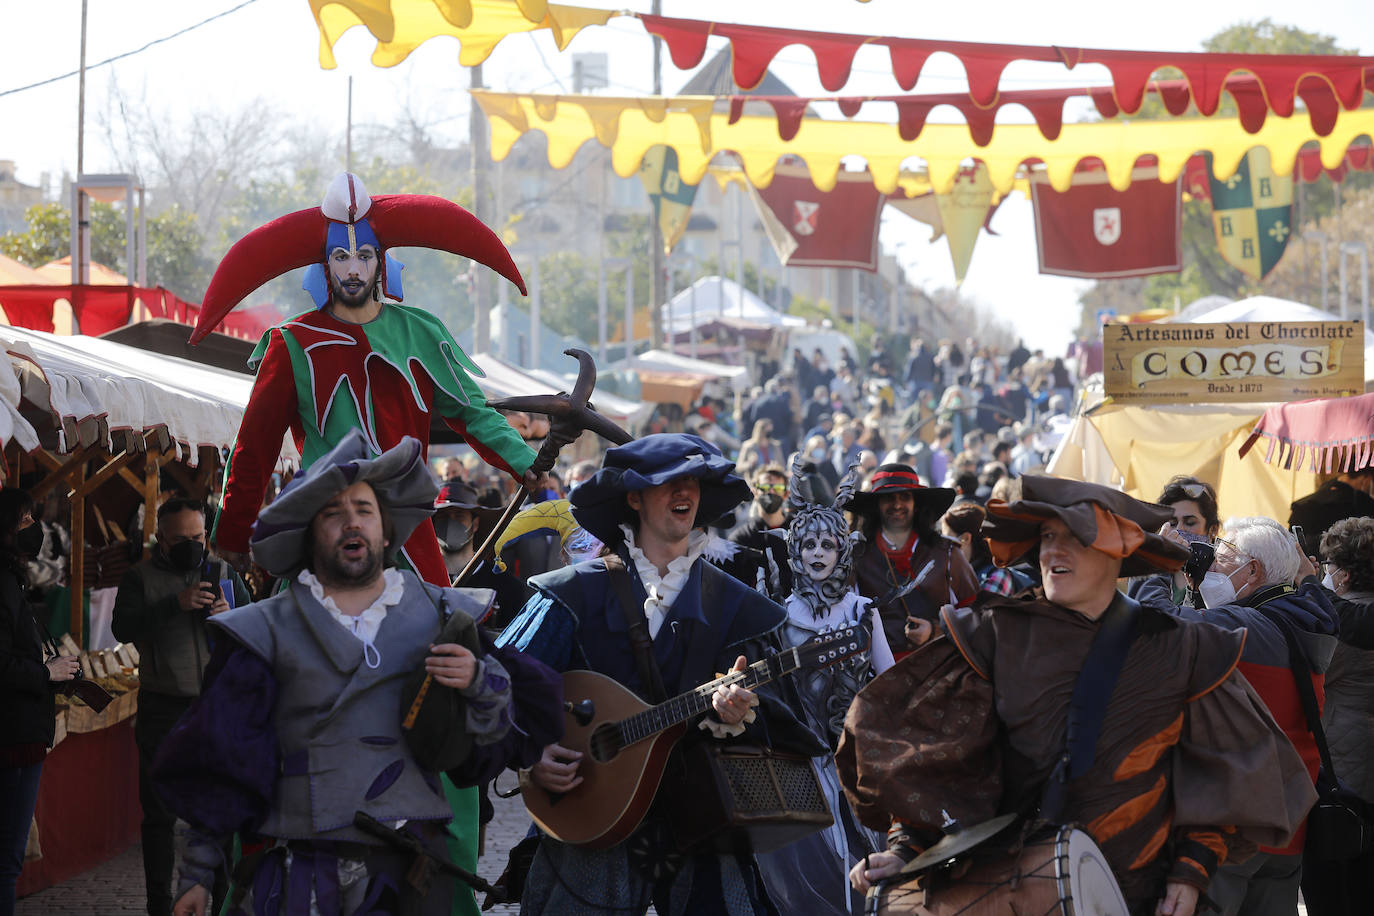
(76, 578)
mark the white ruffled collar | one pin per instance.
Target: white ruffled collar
(364, 625)
(663, 590)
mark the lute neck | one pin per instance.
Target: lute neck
(686, 706)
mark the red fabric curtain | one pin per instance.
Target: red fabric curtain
(88, 808)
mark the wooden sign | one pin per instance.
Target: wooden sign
(1236, 361)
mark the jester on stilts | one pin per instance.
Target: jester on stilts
(360, 360)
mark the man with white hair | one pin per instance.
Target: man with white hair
(1262, 582)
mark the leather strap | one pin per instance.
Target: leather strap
(1088, 707)
(1302, 676)
(702, 649)
(641, 643)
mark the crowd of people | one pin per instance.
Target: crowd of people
(1040, 663)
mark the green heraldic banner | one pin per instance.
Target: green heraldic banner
(1252, 214)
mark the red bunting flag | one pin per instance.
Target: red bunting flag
(812, 228)
(1093, 230)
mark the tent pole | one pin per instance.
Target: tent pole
(76, 579)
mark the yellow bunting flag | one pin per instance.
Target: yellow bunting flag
(962, 213)
(671, 196)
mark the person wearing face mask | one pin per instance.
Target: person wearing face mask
(461, 524)
(809, 876)
(1196, 518)
(1347, 547)
(161, 607)
(1260, 576)
(761, 560)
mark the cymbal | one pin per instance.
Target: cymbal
(953, 844)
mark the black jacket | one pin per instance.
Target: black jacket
(26, 694)
(1320, 510)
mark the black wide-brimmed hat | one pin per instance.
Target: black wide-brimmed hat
(599, 501)
(901, 478)
(399, 476)
(1100, 517)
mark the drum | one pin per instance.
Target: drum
(1062, 873)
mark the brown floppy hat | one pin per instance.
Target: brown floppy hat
(1100, 517)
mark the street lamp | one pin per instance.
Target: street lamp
(1355, 248)
(1319, 236)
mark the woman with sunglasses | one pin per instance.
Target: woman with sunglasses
(29, 669)
(1194, 504)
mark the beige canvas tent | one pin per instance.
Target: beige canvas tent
(1139, 448)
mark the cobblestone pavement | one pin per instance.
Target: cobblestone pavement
(115, 888)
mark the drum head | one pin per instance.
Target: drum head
(1092, 885)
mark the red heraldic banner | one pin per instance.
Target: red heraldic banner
(1093, 230)
(811, 228)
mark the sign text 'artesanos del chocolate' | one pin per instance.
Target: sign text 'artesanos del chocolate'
(1237, 361)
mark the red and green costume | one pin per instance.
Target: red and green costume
(320, 377)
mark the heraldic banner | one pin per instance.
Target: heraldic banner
(811, 228)
(1252, 214)
(1093, 230)
(671, 196)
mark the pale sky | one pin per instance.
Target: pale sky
(269, 50)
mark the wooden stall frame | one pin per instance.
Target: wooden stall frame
(72, 470)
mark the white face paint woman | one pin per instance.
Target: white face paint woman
(820, 552)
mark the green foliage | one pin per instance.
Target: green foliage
(1204, 271)
(174, 246)
(1264, 37)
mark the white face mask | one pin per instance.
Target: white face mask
(1217, 589)
(1328, 583)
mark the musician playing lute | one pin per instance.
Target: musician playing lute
(647, 504)
(1183, 770)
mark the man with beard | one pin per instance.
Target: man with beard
(162, 607)
(897, 517)
(299, 726)
(355, 361)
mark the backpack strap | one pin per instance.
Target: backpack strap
(1302, 677)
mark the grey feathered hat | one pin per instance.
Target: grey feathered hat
(399, 476)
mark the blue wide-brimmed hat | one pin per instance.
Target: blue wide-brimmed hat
(399, 476)
(599, 502)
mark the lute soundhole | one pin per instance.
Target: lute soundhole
(604, 743)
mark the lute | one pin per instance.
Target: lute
(625, 742)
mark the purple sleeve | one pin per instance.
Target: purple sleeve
(537, 719)
(217, 769)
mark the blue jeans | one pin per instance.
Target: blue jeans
(18, 796)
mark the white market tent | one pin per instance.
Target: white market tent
(623, 411)
(720, 300)
(97, 391)
(502, 380)
(735, 377)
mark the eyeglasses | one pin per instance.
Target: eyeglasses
(1194, 490)
(1234, 549)
(772, 487)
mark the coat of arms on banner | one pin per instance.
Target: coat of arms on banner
(1252, 214)
(1107, 224)
(805, 217)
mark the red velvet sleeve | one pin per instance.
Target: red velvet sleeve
(271, 410)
